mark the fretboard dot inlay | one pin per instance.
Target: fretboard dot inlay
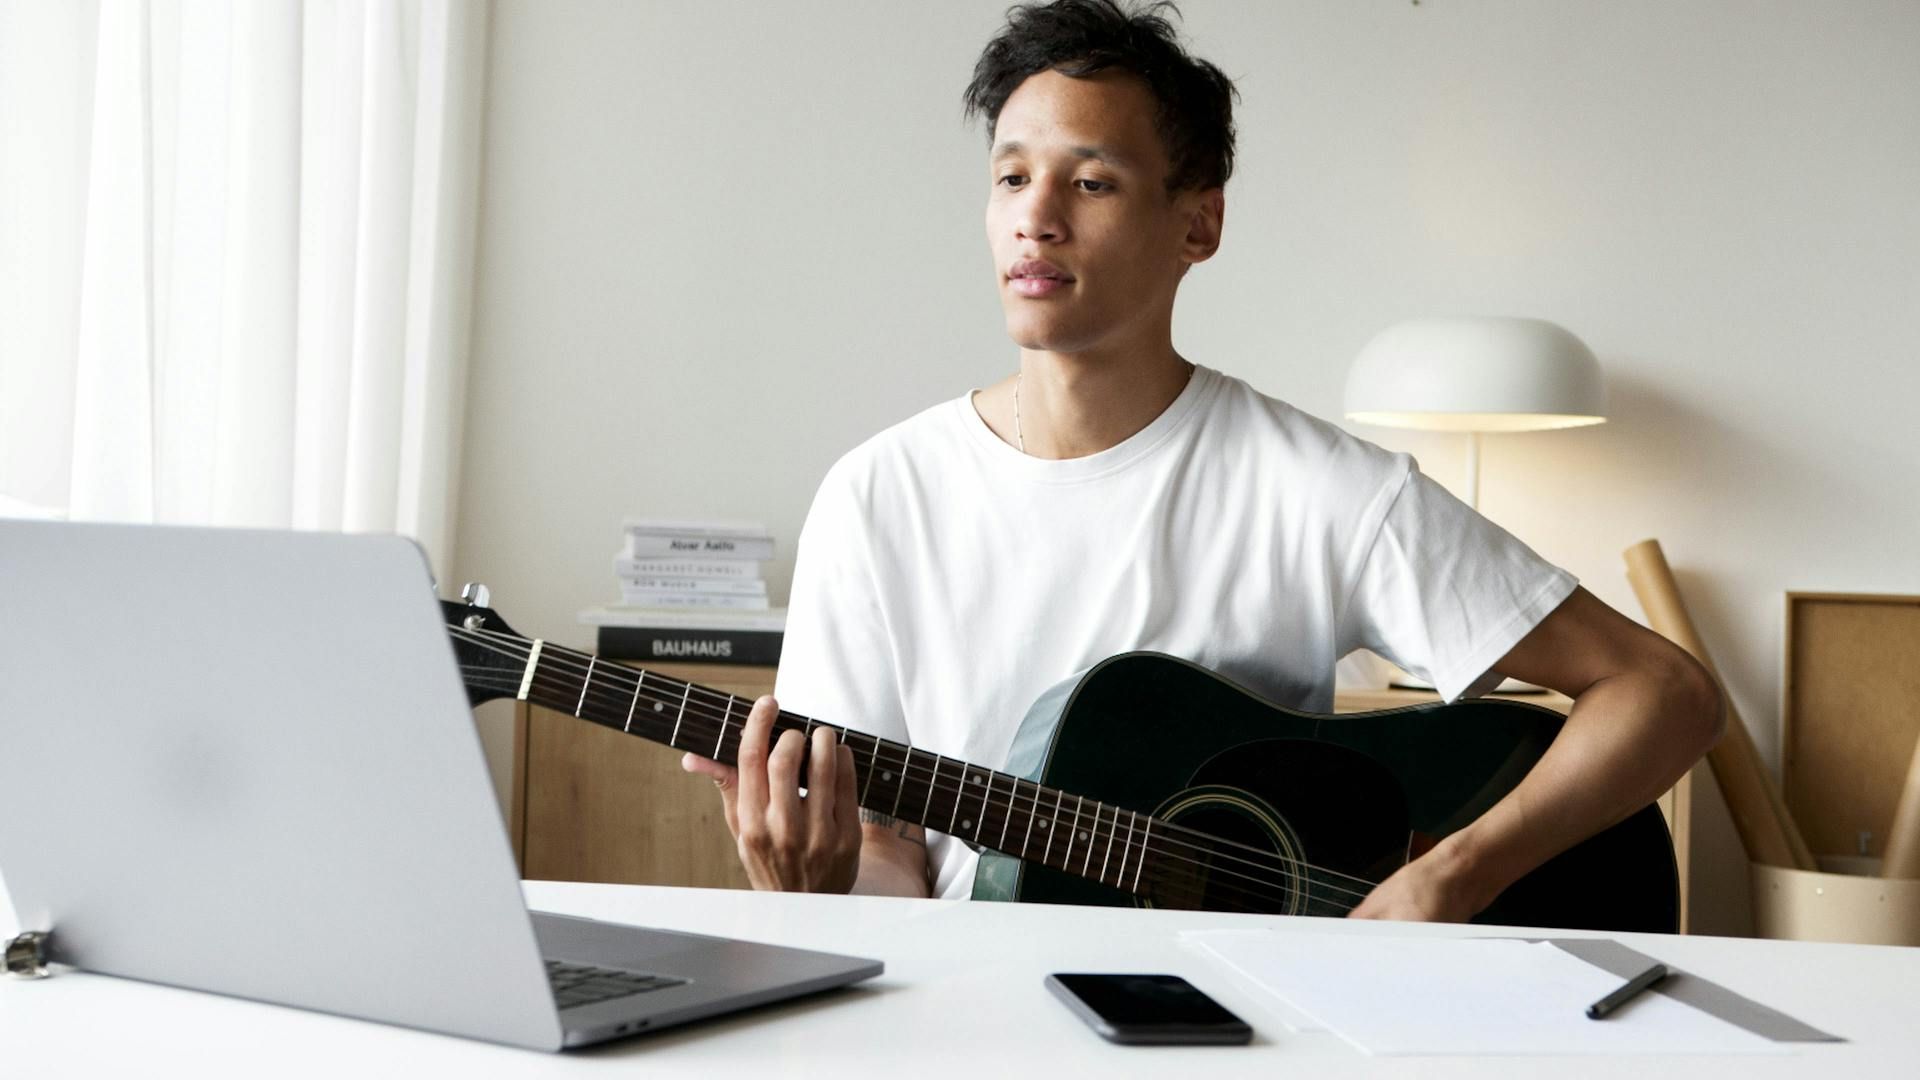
(968, 824)
(886, 776)
(659, 706)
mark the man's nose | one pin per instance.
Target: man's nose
(1040, 214)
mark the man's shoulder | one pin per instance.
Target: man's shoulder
(1270, 426)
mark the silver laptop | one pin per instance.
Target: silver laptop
(243, 761)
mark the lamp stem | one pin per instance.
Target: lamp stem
(1473, 470)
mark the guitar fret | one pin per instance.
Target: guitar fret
(725, 719)
(1054, 827)
(1120, 877)
(1143, 854)
(980, 823)
(906, 758)
(959, 796)
(873, 759)
(642, 681)
(1093, 837)
(1012, 788)
(584, 683)
(1033, 811)
(931, 784)
(1110, 838)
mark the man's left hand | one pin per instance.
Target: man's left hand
(1431, 888)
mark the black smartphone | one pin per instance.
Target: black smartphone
(1148, 1009)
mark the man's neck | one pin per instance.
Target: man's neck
(1071, 406)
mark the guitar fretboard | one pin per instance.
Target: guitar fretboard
(995, 810)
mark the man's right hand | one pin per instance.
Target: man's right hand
(789, 842)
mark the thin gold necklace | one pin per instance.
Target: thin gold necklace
(1019, 438)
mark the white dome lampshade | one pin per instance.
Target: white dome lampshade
(1476, 374)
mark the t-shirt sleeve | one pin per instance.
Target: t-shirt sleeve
(1445, 593)
(836, 659)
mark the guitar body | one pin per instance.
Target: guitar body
(1353, 796)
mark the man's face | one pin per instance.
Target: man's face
(1088, 244)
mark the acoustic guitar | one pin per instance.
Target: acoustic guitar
(1152, 781)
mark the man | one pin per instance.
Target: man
(1110, 495)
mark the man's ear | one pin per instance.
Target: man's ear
(1206, 213)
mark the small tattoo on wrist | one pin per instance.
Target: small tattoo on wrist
(901, 829)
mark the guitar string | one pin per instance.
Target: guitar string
(1167, 884)
(1164, 873)
(1107, 829)
(937, 782)
(517, 647)
(1313, 875)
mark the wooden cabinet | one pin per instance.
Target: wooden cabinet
(593, 804)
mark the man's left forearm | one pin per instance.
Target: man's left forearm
(1628, 738)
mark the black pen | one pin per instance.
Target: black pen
(1600, 1009)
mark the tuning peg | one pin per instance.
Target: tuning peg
(475, 594)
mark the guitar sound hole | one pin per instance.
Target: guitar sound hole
(1329, 820)
(1250, 860)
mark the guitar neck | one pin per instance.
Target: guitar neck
(987, 808)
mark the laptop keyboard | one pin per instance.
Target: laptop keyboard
(582, 984)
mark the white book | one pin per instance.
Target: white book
(668, 599)
(708, 547)
(626, 566)
(715, 586)
(685, 619)
(650, 526)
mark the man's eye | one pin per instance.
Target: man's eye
(1011, 180)
(1094, 185)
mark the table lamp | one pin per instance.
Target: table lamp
(1475, 375)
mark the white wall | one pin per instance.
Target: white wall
(723, 242)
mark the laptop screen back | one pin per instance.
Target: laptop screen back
(242, 761)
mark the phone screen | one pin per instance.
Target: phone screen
(1148, 1008)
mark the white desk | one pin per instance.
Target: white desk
(961, 994)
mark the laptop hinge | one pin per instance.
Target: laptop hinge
(27, 955)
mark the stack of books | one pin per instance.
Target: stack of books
(691, 590)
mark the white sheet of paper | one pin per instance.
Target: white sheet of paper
(1394, 995)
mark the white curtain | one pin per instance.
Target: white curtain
(236, 248)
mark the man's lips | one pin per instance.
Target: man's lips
(1036, 268)
(1036, 277)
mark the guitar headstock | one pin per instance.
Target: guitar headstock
(492, 655)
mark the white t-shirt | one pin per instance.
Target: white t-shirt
(944, 580)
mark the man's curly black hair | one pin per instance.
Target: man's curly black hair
(1080, 37)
